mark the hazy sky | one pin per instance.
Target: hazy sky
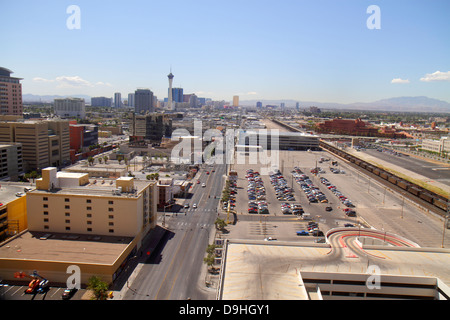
(303, 50)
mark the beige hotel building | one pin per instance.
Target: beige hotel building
(44, 143)
(73, 220)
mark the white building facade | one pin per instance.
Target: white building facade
(70, 107)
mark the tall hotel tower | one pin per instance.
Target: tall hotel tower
(10, 93)
(170, 76)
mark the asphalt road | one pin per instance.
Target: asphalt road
(174, 271)
(427, 169)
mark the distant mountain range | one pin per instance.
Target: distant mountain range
(402, 104)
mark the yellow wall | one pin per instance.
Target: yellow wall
(17, 210)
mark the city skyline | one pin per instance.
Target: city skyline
(298, 50)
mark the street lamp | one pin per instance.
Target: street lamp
(164, 216)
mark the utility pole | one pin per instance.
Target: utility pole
(403, 202)
(445, 223)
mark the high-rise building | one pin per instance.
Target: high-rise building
(170, 100)
(82, 136)
(143, 101)
(131, 100)
(235, 101)
(70, 107)
(101, 102)
(177, 94)
(152, 126)
(259, 104)
(11, 163)
(191, 99)
(117, 100)
(44, 143)
(10, 93)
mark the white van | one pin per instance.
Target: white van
(306, 216)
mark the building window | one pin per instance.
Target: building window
(46, 227)
(111, 223)
(89, 215)
(111, 230)
(45, 219)
(45, 199)
(89, 229)
(110, 209)
(67, 207)
(111, 216)
(88, 200)
(88, 208)
(67, 214)
(110, 202)
(45, 205)
(89, 222)
(45, 213)
(66, 200)
(67, 228)
(67, 221)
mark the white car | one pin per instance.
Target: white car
(203, 185)
(194, 205)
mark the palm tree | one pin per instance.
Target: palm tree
(220, 224)
(98, 287)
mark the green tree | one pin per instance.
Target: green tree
(98, 287)
(211, 248)
(220, 224)
(209, 260)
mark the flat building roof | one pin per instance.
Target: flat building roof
(73, 248)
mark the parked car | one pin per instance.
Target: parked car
(348, 225)
(302, 233)
(351, 213)
(317, 233)
(68, 293)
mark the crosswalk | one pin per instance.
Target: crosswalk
(191, 225)
(200, 209)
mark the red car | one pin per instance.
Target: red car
(32, 286)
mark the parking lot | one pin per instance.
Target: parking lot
(17, 292)
(370, 204)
